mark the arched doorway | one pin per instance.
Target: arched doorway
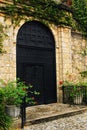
(36, 60)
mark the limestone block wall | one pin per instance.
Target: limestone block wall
(63, 56)
(65, 61)
(79, 61)
(8, 59)
(68, 46)
(56, 37)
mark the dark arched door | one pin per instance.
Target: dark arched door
(36, 60)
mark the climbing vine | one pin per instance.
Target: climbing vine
(48, 11)
(3, 35)
(80, 14)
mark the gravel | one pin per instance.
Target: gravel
(75, 122)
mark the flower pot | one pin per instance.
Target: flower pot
(12, 110)
(78, 99)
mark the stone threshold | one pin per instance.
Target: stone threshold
(55, 116)
(45, 113)
(53, 111)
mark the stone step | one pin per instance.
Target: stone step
(41, 113)
(51, 112)
(56, 116)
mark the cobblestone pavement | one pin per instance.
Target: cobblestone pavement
(75, 122)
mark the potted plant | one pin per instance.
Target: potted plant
(14, 92)
(77, 94)
(74, 91)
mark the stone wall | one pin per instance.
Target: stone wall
(68, 46)
(8, 59)
(79, 61)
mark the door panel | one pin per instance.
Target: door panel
(33, 74)
(36, 60)
(50, 90)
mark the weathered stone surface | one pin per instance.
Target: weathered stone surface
(68, 47)
(76, 122)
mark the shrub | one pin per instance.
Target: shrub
(5, 120)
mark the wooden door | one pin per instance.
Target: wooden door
(36, 60)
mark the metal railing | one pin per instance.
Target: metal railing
(74, 94)
(71, 95)
(23, 113)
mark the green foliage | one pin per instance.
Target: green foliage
(84, 52)
(80, 14)
(5, 120)
(83, 74)
(15, 91)
(49, 11)
(75, 89)
(2, 37)
(12, 93)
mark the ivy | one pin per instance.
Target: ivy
(49, 11)
(83, 74)
(80, 14)
(3, 35)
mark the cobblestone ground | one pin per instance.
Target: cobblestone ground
(76, 122)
